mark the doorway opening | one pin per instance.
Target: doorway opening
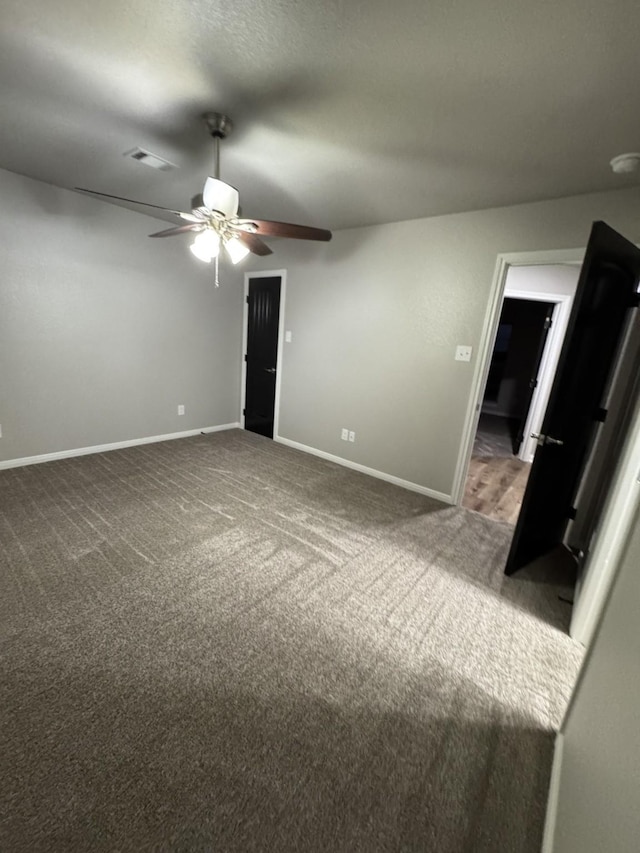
(533, 317)
(262, 351)
(579, 500)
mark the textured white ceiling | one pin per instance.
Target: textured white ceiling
(347, 112)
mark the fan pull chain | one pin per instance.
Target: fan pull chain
(216, 280)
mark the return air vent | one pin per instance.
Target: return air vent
(150, 159)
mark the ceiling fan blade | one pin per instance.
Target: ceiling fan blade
(181, 229)
(199, 212)
(198, 218)
(252, 242)
(131, 201)
(268, 228)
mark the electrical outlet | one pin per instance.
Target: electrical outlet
(344, 434)
(181, 410)
(352, 435)
(288, 337)
(463, 353)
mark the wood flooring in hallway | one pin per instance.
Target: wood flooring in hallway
(495, 486)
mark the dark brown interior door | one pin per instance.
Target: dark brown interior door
(262, 353)
(544, 312)
(607, 288)
(618, 410)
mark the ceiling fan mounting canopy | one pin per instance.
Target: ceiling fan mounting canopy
(219, 125)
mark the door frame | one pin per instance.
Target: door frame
(487, 343)
(549, 362)
(623, 501)
(245, 319)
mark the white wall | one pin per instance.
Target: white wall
(103, 332)
(599, 779)
(560, 279)
(376, 315)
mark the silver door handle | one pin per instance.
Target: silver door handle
(270, 369)
(545, 439)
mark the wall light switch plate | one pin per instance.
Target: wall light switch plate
(181, 410)
(344, 434)
(352, 435)
(463, 353)
(288, 337)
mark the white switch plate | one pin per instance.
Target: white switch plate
(0, 430)
(344, 435)
(181, 410)
(352, 435)
(287, 337)
(463, 353)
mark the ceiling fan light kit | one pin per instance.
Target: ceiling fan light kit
(215, 220)
(206, 246)
(236, 250)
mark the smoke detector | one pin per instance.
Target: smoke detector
(624, 164)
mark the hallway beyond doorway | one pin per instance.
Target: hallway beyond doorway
(497, 478)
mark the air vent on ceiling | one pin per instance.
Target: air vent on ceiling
(149, 159)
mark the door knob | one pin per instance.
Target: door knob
(270, 369)
(545, 439)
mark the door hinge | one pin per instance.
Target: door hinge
(245, 356)
(533, 384)
(548, 322)
(572, 512)
(244, 411)
(247, 300)
(600, 415)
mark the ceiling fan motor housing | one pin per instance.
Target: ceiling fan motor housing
(217, 195)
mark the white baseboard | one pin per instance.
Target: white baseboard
(380, 475)
(554, 793)
(103, 448)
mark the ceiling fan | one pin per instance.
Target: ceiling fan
(214, 214)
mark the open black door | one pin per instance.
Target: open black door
(606, 290)
(262, 353)
(620, 404)
(547, 308)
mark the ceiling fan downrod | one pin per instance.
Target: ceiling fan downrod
(219, 126)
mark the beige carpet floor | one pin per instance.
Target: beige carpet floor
(222, 644)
